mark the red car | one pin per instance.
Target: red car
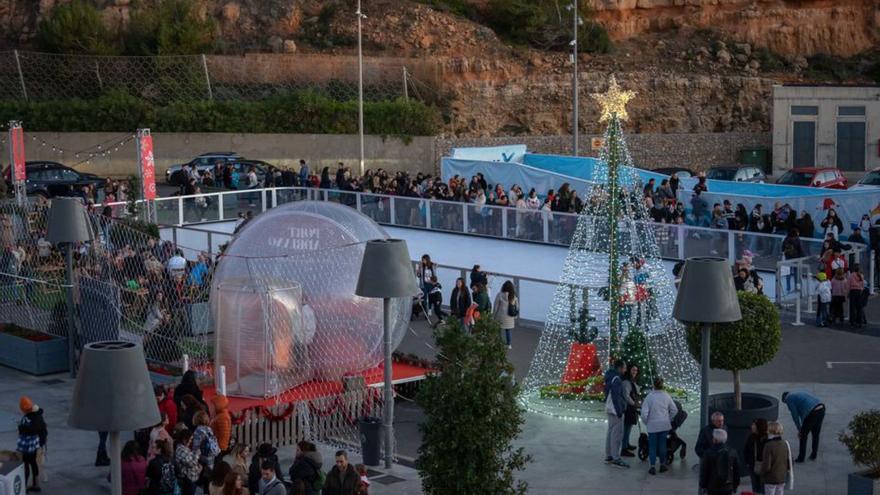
(814, 177)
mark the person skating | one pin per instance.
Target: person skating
(615, 406)
(808, 413)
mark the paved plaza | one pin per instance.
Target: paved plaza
(837, 365)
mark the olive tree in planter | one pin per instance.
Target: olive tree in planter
(748, 343)
(862, 438)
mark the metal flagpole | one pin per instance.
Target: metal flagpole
(574, 80)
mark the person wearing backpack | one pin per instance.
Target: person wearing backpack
(161, 478)
(205, 445)
(506, 310)
(776, 466)
(306, 477)
(719, 468)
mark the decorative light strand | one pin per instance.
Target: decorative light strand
(641, 294)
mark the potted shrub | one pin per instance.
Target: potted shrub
(862, 438)
(33, 352)
(742, 345)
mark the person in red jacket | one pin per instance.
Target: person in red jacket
(222, 422)
(167, 406)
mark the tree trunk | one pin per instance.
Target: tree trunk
(737, 391)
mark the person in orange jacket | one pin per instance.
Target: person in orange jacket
(222, 422)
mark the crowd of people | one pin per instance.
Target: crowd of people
(467, 302)
(767, 456)
(192, 450)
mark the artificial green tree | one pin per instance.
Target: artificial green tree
(862, 439)
(744, 344)
(471, 415)
(635, 351)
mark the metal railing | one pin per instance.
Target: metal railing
(675, 241)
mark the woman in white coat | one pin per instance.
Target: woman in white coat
(506, 309)
(658, 409)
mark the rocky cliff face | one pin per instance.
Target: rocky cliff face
(799, 27)
(698, 65)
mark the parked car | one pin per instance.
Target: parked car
(737, 173)
(50, 179)
(830, 178)
(242, 166)
(871, 180)
(683, 173)
(203, 162)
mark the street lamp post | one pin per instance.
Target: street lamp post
(360, 16)
(706, 295)
(113, 393)
(386, 273)
(68, 225)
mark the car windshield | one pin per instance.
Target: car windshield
(796, 178)
(721, 173)
(872, 179)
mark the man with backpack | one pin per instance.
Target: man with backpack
(719, 469)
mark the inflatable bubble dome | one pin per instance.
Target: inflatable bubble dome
(283, 301)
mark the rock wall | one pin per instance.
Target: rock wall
(695, 151)
(802, 27)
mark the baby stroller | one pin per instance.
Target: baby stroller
(673, 441)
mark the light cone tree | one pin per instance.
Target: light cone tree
(614, 277)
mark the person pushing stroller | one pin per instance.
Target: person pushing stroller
(662, 417)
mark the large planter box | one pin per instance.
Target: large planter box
(37, 358)
(739, 423)
(862, 484)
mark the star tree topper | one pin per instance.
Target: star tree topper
(614, 101)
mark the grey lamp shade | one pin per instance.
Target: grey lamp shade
(386, 270)
(706, 293)
(113, 391)
(68, 222)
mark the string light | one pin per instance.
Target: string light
(100, 149)
(615, 296)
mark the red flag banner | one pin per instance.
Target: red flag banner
(148, 166)
(16, 138)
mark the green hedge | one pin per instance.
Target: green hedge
(303, 112)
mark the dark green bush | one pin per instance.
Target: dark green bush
(862, 438)
(77, 28)
(295, 112)
(171, 28)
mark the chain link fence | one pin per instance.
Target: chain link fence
(34, 76)
(127, 285)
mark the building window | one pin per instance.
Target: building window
(851, 111)
(804, 110)
(851, 146)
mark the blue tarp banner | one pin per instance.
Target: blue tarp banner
(508, 174)
(510, 154)
(545, 172)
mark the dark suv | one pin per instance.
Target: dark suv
(50, 179)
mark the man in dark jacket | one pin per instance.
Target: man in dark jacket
(719, 468)
(265, 453)
(615, 406)
(704, 440)
(343, 478)
(306, 469)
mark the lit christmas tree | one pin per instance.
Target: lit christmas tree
(615, 296)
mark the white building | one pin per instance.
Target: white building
(826, 126)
